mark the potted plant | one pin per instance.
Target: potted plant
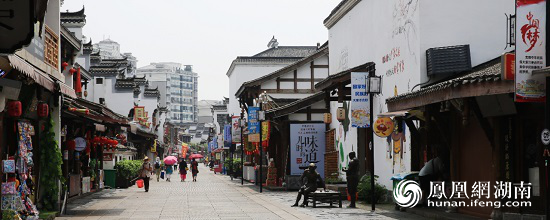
(126, 171)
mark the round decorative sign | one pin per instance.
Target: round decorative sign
(545, 136)
(383, 127)
(80, 144)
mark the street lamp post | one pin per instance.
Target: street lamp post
(373, 87)
(241, 122)
(261, 117)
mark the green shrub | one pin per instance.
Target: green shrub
(128, 169)
(365, 191)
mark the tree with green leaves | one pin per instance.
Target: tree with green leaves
(50, 167)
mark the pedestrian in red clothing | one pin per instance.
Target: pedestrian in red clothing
(194, 169)
(183, 170)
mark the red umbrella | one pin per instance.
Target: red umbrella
(170, 160)
(193, 156)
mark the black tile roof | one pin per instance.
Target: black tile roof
(73, 17)
(288, 51)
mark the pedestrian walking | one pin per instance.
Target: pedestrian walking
(352, 177)
(183, 170)
(157, 168)
(313, 181)
(169, 170)
(145, 172)
(194, 169)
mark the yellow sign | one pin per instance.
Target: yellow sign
(139, 112)
(254, 138)
(154, 148)
(383, 127)
(265, 131)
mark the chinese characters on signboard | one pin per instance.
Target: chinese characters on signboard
(530, 50)
(266, 129)
(235, 130)
(307, 145)
(139, 112)
(253, 124)
(227, 136)
(360, 108)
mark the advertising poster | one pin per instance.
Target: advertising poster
(307, 145)
(530, 50)
(235, 130)
(253, 125)
(227, 136)
(360, 112)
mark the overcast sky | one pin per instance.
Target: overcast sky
(207, 34)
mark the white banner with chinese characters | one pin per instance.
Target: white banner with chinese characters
(360, 108)
(307, 145)
(530, 50)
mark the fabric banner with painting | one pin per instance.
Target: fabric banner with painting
(360, 108)
(235, 130)
(307, 145)
(530, 50)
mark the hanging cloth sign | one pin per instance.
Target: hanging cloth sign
(266, 129)
(360, 108)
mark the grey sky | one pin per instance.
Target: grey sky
(207, 34)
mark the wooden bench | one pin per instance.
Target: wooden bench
(324, 197)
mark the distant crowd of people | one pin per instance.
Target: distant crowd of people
(163, 171)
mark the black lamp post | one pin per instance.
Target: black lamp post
(241, 123)
(261, 118)
(373, 87)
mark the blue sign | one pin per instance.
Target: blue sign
(253, 122)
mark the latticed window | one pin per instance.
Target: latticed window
(51, 48)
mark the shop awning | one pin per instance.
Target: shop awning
(65, 89)
(394, 114)
(344, 77)
(37, 75)
(483, 80)
(296, 105)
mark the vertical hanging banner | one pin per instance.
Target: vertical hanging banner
(185, 146)
(360, 108)
(227, 136)
(266, 129)
(253, 125)
(530, 50)
(235, 130)
(307, 145)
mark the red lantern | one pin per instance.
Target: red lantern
(96, 140)
(72, 70)
(78, 85)
(43, 110)
(115, 142)
(64, 65)
(71, 145)
(88, 150)
(103, 140)
(15, 109)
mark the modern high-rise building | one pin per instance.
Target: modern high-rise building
(179, 84)
(108, 49)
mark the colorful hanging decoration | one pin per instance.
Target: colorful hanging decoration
(80, 110)
(266, 130)
(8, 166)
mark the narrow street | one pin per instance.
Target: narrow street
(211, 197)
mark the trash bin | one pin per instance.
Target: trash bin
(403, 176)
(110, 178)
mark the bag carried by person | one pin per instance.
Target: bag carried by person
(157, 165)
(162, 175)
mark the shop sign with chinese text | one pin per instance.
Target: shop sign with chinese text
(307, 145)
(360, 108)
(530, 50)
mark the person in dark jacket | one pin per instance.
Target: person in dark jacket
(183, 170)
(352, 177)
(313, 180)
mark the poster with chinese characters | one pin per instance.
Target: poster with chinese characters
(530, 50)
(139, 112)
(360, 108)
(307, 145)
(253, 124)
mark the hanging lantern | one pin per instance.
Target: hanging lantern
(103, 141)
(15, 109)
(96, 140)
(43, 110)
(64, 65)
(71, 145)
(72, 71)
(341, 114)
(78, 85)
(327, 118)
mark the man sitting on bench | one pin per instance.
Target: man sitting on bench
(313, 180)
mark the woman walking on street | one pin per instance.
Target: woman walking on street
(169, 170)
(194, 169)
(183, 170)
(145, 173)
(157, 168)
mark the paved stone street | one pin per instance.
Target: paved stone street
(212, 197)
